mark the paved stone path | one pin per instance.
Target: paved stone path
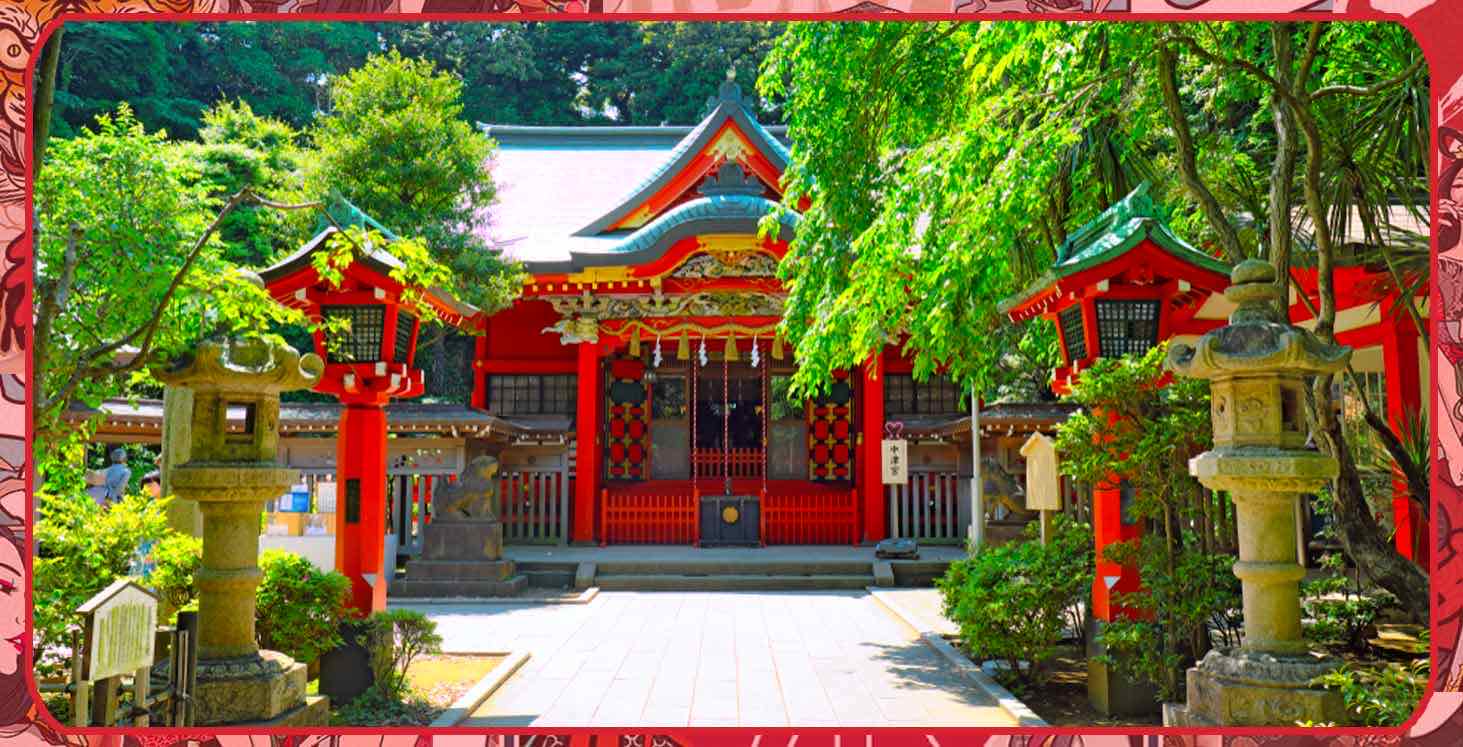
(713, 659)
(927, 607)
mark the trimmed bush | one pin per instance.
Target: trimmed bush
(298, 608)
(1013, 602)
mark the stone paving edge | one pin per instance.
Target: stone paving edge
(464, 706)
(1009, 703)
(583, 597)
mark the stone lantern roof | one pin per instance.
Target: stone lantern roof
(1256, 340)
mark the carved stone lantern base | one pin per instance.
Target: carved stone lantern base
(1243, 688)
(262, 689)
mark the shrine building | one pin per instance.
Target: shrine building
(637, 391)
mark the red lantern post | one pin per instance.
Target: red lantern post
(368, 363)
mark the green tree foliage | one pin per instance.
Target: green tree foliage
(176, 70)
(411, 634)
(131, 270)
(81, 548)
(942, 165)
(518, 73)
(238, 148)
(1137, 424)
(88, 83)
(395, 144)
(665, 72)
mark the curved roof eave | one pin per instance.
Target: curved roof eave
(703, 215)
(1139, 229)
(680, 157)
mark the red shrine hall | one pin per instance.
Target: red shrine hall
(638, 392)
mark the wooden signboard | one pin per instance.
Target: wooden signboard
(895, 453)
(1043, 482)
(119, 624)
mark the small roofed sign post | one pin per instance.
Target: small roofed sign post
(118, 626)
(1043, 482)
(895, 451)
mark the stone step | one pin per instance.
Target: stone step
(729, 582)
(918, 572)
(735, 567)
(415, 588)
(549, 579)
(478, 570)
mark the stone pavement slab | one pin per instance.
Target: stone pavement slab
(713, 658)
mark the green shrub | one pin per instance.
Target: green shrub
(1379, 696)
(298, 608)
(1340, 614)
(375, 707)
(81, 548)
(1013, 601)
(1191, 594)
(176, 559)
(411, 634)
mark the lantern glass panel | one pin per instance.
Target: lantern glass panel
(361, 343)
(1126, 327)
(1073, 338)
(405, 326)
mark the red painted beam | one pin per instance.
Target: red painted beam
(360, 512)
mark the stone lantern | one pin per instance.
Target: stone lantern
(1258, 365)
(231, 472)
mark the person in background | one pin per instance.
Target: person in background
(152, 483)
(117, 477)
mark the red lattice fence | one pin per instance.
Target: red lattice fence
(649, 518)
(814, 518)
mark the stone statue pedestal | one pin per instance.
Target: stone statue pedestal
(461, 557)
(1242, 688)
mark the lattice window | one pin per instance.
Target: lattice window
(1126, 327)
(1072, 336)
(404, 324)
(362, 343)
(532, 395)
(937, 395)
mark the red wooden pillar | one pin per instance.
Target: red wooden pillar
(1404, 402)
(1109, 527)
(586, 485)
(870, 472)
(479, 378)
(360, 512)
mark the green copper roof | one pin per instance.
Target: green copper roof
(728, 104)
(713, 213)
(1110, 235)
(345, 213)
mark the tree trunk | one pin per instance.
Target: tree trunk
(45, 92)
(1282, 172)
(1363, 540)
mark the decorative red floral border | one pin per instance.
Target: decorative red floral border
(1438, 28)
